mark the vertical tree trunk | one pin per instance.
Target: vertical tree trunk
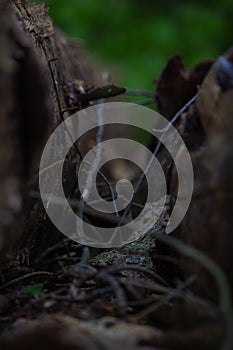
(37, 67)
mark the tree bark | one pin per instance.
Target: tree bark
(38, 66)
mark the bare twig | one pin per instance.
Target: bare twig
(171, 294)
(116, 287)
(28, 276)
(156, 150)
(102, 92)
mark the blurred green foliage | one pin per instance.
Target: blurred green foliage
(34, 289)
(138, 36)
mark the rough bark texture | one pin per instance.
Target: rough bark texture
(23, 127)
(207, 128)
(37, 68)
(207, 224)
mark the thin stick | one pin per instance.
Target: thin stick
(156, 150)
(25, 277)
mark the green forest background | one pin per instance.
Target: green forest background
(136, 37)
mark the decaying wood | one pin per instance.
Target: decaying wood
(207, 224)
(207, 128)
(37, 67)
(23, 127)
